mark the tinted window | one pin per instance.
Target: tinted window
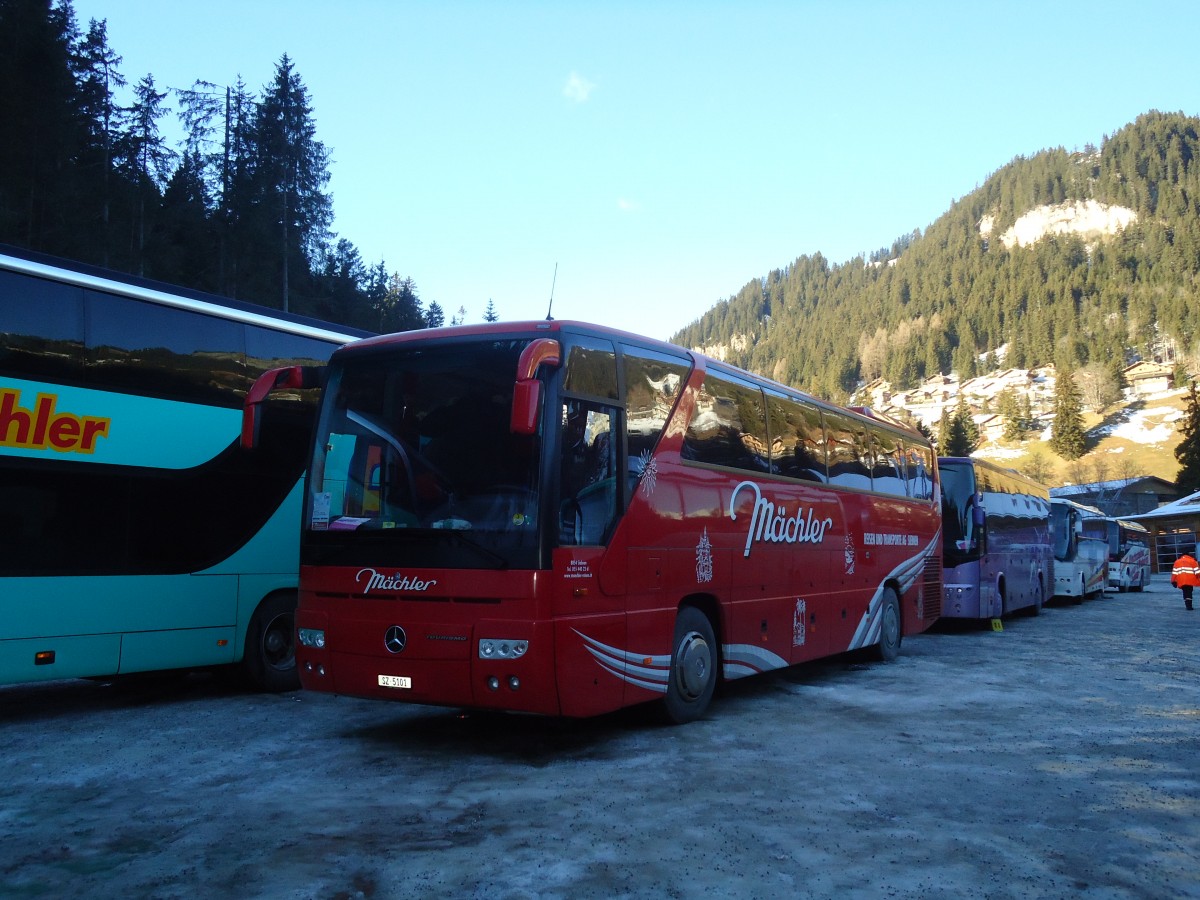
(266, 349)
(848, 451)
(918, 466)
(888, 474)
(591, 368)
(41, 328)
(728, 426)
(797, 439)
(587, 473)
(146, 348)
(653, 382)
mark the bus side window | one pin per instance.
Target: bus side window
(729, 426)
(847, 443)
(797, 439)
(888, 474)
(653, 382)
(588, 466)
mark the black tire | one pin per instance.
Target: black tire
(1082, 587)
(1039, 600)
(269, 661)
(693, 675)
(890, 631)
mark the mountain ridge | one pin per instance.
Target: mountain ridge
(1075, 259)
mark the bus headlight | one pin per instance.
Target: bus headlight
(311, 637)
(502, 648)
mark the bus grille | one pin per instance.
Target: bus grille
(931, 586)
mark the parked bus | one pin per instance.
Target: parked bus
(563, 519)
(1080, 558)
(997, 551)
(137, 534)
(1128, 550)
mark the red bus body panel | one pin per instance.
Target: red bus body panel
(599, 624)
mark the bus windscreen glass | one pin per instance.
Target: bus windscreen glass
(958, 529)
(415, 457)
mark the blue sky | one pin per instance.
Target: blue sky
(663, 154)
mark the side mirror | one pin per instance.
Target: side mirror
(268, 381)
(527, 392)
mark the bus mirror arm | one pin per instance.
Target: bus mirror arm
(271, 380)
(527, 392)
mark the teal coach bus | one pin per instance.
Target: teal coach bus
(135, 533)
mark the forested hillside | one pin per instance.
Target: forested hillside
(239, 207)
(941, 300)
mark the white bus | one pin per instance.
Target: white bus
(1080, 558)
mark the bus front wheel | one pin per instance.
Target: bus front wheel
(890, 633)
(269, 660)
(693, 675)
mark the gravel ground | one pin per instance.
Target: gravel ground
(1055, 758)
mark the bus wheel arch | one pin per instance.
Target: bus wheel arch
(891, 625)
(269, 654)
(695, 662)
(1002, 593)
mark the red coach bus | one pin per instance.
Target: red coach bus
(563, 519)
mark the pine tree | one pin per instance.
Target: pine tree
(943, 432)
(97, 75)
(1067, 438)
(490, 314)
(964, 433)
(1009, 406)
(145, 158)
(434, 316)
(1188, 451)
(292, 170)
(40, 124)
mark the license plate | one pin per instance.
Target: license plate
(395, 681)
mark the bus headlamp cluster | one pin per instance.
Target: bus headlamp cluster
(502, 648)
(311, 637)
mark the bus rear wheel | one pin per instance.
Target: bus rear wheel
(890, 632)
(269, 660)
(1039, 600)
(693, 675)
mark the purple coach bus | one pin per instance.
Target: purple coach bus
(998, 555)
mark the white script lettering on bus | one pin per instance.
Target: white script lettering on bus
(774, 524)
(378, 581)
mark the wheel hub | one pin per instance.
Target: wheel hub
(695, 665)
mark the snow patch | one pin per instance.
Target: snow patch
(1089, 218)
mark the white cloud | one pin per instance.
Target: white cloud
(577, 88)
(627, 205)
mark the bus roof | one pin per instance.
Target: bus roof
(40, 265)
(568, 326)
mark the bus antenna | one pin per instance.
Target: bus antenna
(553, 282)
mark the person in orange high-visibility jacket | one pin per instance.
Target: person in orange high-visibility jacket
(1185, 575)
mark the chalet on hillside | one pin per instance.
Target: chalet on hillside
(1123, 497)
(990, 425)
(1147, 377)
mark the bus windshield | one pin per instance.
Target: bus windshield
(960, 543)
(1062, 526)
(415, 452)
